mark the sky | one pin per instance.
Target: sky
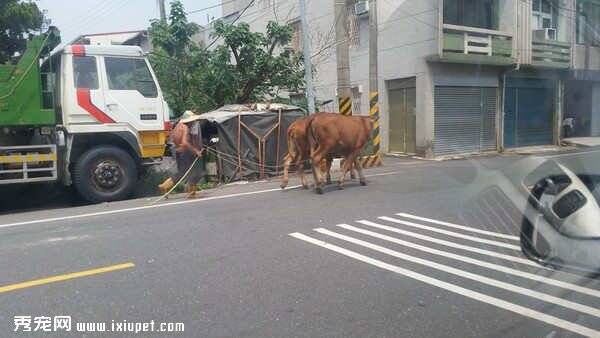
(79, 17)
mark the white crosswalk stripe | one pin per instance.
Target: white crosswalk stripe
(437, 248)
(489, 281)
(458, 226)
(492, 266)
(453, 234)
(452, 244)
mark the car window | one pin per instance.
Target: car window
(130, 74)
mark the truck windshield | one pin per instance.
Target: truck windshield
(130, 74)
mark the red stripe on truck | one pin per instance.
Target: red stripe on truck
(84, 100)
(78, 50)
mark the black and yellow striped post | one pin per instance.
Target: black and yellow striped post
(345, 106)
(374, 159)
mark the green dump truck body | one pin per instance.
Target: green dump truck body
(21, 88)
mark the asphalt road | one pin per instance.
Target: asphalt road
(254, 261)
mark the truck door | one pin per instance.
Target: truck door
(90, 106)
(131, 93)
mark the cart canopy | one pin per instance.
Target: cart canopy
(252, 138)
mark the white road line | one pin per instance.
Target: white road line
(452, 233)
(455, 245)
(458, 226)
(492, 266)
(518, 309)
(118, 211)
(472, 276)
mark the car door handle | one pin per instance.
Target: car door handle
(111, 105)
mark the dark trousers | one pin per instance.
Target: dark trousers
(184, 161)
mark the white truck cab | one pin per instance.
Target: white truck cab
(91, 116)
(111, 121)
(113, 117)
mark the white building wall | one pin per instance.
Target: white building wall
(408, 34)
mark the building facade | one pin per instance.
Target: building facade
(460, 76)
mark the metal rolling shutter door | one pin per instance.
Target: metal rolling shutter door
(464, 119)
(530, 103)
(489, 98)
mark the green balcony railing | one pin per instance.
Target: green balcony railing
(475, 45)
(550, 53)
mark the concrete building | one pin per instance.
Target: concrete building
(460, 76)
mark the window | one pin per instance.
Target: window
(471, 13)
(85, 72)
(130, 74)
(544, 14)
(588, 22)
(265, 4)
(296, 42)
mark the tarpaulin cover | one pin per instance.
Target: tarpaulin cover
(262, 126)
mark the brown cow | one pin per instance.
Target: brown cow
(331, 133)
(299, 153)
(298, 150)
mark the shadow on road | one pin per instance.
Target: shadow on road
(21, 198)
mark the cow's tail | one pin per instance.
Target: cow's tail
(293, 147)
(312, 141)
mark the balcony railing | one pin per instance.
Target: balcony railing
(550, 53)
(476, 45)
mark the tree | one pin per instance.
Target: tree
(176, 57)
(247, 66)
(17, 19)
(259, 64)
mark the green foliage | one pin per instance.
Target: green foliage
(17, 19)
(175, 56)
(247, 67)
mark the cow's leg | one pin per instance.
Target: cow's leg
(317, 157)
(358, 166)
(350, 164)
(352, 170)
(300, 168)
(286, 167)
(348, 160)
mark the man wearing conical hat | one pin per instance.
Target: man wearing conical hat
(187, 139)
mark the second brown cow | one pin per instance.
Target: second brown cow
(347, 136)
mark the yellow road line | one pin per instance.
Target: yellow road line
(60, 278)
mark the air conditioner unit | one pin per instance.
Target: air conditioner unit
(361, 8)
(545, 34)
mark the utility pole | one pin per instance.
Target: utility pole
(310, 91)
(342, 57)
(374, 78)
(161, 9)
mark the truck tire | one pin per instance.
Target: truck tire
(104, 174)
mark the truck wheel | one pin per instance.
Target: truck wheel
(104, 174)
